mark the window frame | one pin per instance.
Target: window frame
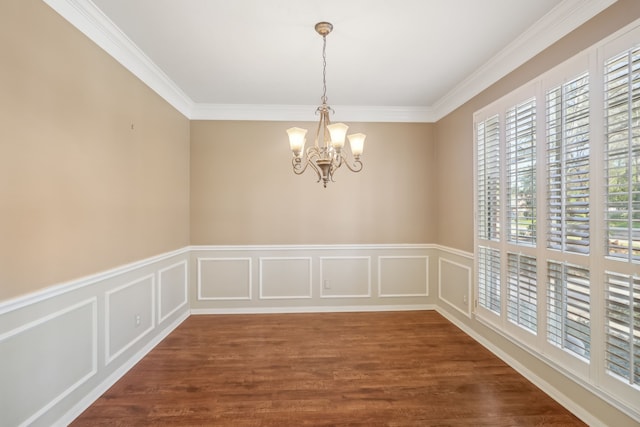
(588, 372)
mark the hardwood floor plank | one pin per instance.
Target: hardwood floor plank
(326, 369)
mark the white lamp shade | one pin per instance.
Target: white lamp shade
(297, 138)
(356, 141)
(338, 131)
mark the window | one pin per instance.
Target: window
(489, 178)
(623, 327)
(489, 279)
(622, 130)
(521, 172)
(568, 166)
(568, 308)
(523, 294)
(557, 233)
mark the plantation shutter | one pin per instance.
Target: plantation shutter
(623, 327)
(568, 308)
(520, 135)
(522, 289)
(489, 279)
(567, 113)
(488, 178)
(622, 152)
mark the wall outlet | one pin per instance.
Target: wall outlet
(137, 320)
(464, 299)
(325, 284)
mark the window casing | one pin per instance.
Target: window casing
(557, 232)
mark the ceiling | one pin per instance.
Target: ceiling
(400, 60)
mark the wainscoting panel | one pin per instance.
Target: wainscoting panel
(45, 360)
(129, 315)
(285, 278)
(173, 290)
(343, 277)
(224, 278)
(307, 278)
(404, 276)
(454, 285)
(61, 348)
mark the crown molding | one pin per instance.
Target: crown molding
(306, 113)
(90, 20)
(86, 17)
(563, 19)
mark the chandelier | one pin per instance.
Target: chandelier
(326, 155)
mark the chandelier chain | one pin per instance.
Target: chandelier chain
(324, 69)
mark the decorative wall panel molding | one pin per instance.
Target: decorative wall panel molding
(173, 289)
(129, 315)
(403, 276)
(61, 348)
(224, 278)
(45, 360)
(454, 285)
(296, 278)
(285, 277)
(345, 277)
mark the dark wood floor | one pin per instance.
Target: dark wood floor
(329, 369)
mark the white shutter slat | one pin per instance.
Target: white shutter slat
(520, 128)
(568, 166)
(623, 326)
(489, 279)
(622, 170)
(488, 178)
(522, 291)
(568, 312)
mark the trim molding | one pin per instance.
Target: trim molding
(98, 391)
(62, 288)
(262, 261)
(335, 247)
(426, 275)
(557, 395)
(469, 285)
(109, 357)
(199, 262)
(94, 350)
(90, 20)
(329, 295)
(93, 23)
(313, 309)
(563, 19)
(185, 293)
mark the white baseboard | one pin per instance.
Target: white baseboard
(88, 400)
(555, 394)
(314, 309)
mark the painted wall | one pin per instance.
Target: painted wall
(94, 166)
(243, 190)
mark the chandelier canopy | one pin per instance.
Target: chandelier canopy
(327, 154)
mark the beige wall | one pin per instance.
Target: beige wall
(454, 133)
(80, 190)
(243, 190)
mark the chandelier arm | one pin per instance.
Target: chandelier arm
(298, 166)
(356, 167)
(316, 169)
(312, 154)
